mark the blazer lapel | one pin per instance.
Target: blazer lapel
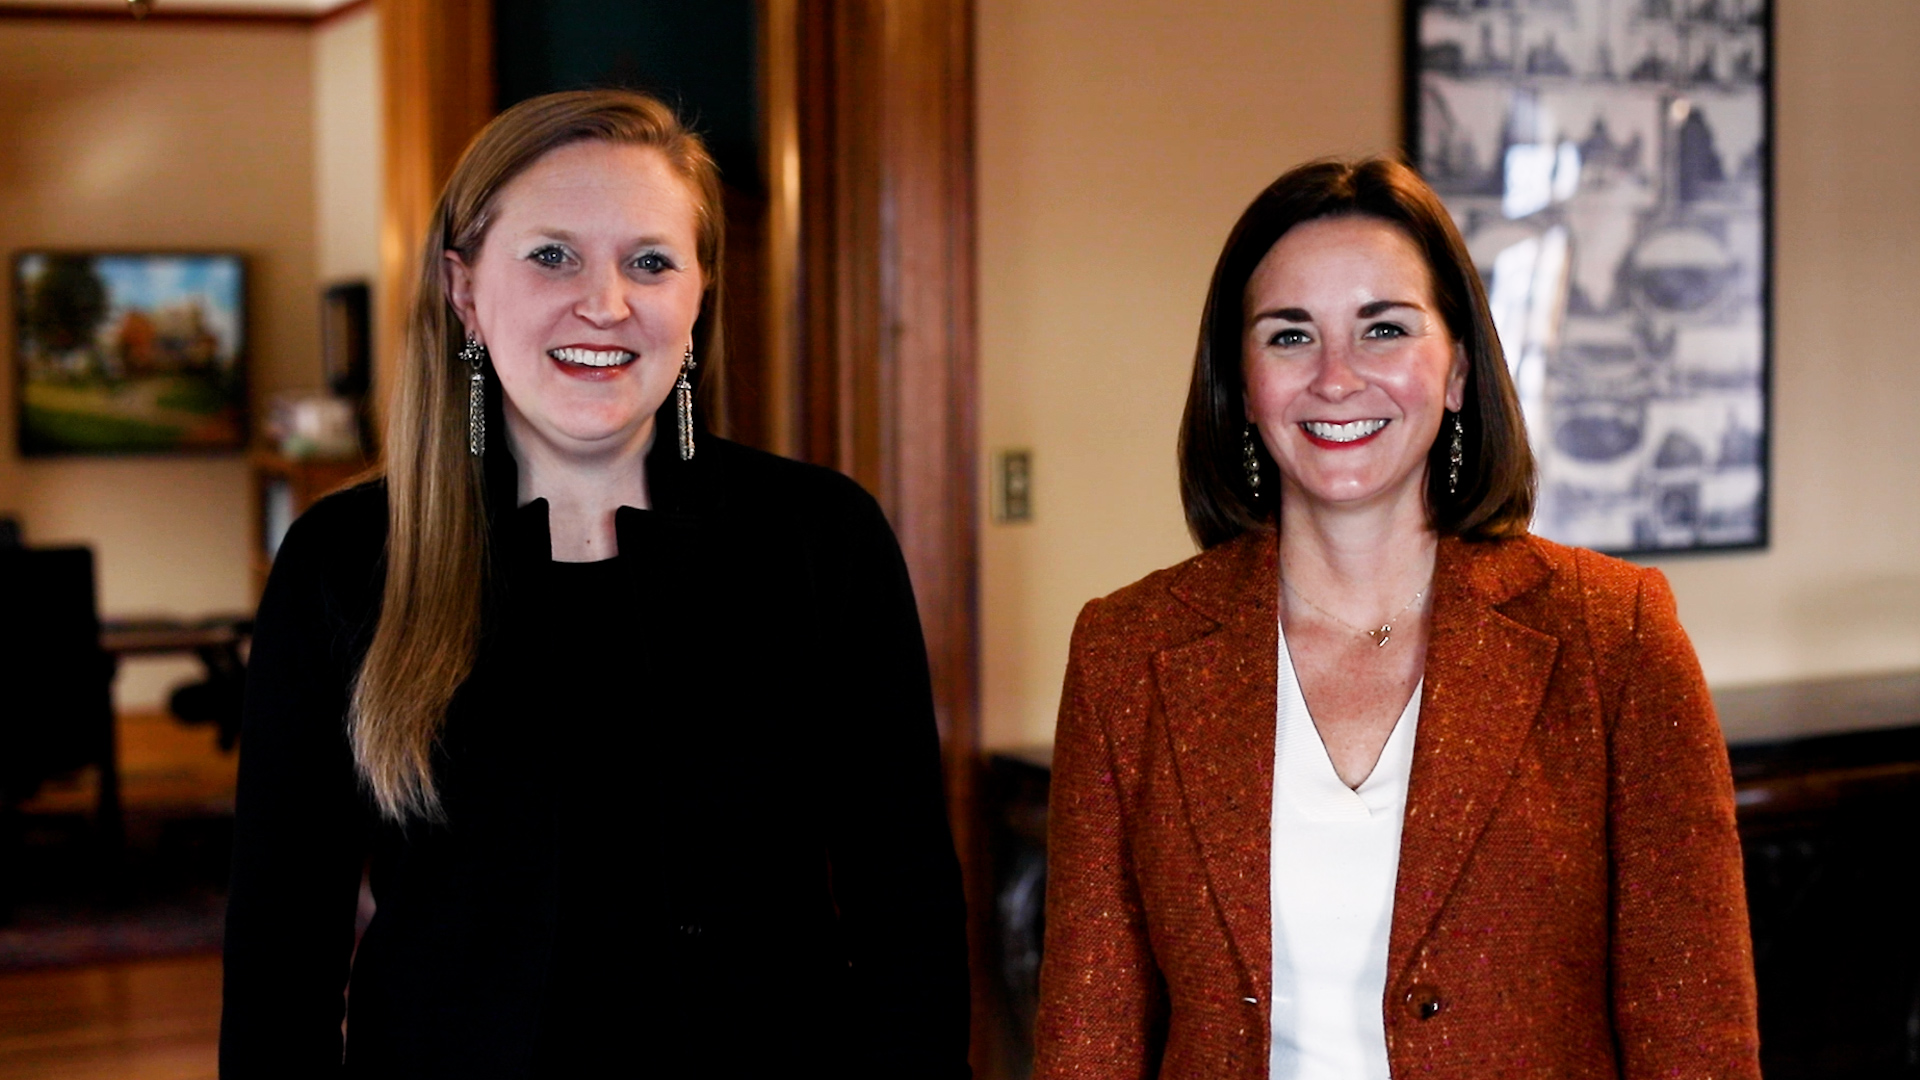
(1486, 676)
(1217, 693)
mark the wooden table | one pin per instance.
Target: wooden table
(218, 642)
(156, 637)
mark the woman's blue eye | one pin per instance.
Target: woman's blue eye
(1386, 330)
(548, 256)
(653, 262)
(1289, 337)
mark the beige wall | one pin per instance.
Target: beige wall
(135, 136)
(1839, 591)
(1117, 142)
(347, 146)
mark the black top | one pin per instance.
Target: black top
(694, 814)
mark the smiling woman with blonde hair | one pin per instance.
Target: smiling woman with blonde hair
(629, 726)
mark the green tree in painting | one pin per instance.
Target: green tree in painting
(66, 303)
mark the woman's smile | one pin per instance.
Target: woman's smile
(592, 363)
(1334, 435)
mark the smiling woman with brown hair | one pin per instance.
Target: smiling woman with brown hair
(1379, 783)
(630, 726)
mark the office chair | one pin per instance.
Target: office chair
(56, 699)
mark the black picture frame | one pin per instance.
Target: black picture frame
(1610, 164)
(346, 339)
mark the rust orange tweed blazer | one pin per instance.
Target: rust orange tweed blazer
(1569, 900)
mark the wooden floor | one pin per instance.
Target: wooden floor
(164, 765)
(146, 1020)
(150, 1020)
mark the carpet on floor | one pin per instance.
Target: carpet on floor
(163, 893)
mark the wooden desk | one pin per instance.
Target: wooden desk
(218, 642)
(159, 637)
(1827, 788)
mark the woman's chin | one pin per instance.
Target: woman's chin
(1347, 493)
(593, 437)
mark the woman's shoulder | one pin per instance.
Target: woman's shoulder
(1561, 589)
(1177, 602)
(1529, 560)
(340, 542)
(1596, 570)
(1607, 589)
(755, 481)
(350, 518)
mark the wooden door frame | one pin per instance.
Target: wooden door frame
(436, 66)
(871, 308)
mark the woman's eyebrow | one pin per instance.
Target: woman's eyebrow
(1289, 314)
(1369, 310)
(567, 236)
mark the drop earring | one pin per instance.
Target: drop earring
(1250, 459)
(1456, 454)
(475, 355)
(683, 399)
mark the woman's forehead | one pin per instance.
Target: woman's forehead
(598, 180)
(1329, 260)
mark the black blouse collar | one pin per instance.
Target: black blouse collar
(681, 491)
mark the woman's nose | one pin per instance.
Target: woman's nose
(1336, 376)
(604, 301)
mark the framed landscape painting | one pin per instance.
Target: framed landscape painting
(1608, 162)
(129, 352)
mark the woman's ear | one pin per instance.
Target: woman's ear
(1457, 378)
(457, 280)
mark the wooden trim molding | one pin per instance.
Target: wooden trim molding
(882, 380)
(344, 11)
(780, 138)
(436, 60)
(170, 15)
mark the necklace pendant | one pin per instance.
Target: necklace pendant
(1381, 636)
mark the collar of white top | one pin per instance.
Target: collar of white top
(1304, 770)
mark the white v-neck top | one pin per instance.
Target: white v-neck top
(1336, 852)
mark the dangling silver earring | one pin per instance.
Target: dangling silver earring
(1250, 459)
(475, 354)
(683, 397)
(1456, 454)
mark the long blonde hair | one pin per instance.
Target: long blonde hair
(428, 635)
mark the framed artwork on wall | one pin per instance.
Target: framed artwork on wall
(120, 352)
(1609, 164)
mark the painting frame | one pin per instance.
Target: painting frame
(142, 352)
(1650, 393)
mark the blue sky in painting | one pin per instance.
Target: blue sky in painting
(147, 282)
(158, 281)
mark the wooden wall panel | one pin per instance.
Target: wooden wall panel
(884, 376)
(884, 372)
(436, 59)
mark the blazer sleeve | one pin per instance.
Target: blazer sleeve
(1683, 989)
(1103, 1002)
(299, 834)
(896, 880)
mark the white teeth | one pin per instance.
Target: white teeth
(592, 357)
(1348, 432)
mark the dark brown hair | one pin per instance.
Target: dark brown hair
(1496, 478)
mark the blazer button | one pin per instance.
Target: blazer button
(1423, 1001)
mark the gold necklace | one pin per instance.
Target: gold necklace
(1379, 637)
